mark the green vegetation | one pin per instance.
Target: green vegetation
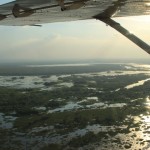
(16, 99)
(90, 137)
(35, 123)
(52, 147)
(70, 120)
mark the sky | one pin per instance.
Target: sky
(89, 39)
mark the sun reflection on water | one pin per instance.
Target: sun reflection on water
(142, 131)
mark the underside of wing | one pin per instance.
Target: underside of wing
(125, 8)
(133, 8)
(48, 11)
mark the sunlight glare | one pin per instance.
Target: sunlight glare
(147, 4)
(146, 119)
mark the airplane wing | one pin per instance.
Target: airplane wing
(33, 12)
(48, 11)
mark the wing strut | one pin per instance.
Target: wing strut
(126, 33)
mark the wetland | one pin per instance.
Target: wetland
(97, 106)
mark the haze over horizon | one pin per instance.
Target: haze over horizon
(89, 39)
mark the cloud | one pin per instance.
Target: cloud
(25, 43)
(74, 41)
(67, 47)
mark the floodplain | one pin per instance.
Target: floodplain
(92, 106)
